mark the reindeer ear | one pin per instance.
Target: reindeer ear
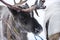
(14, 12)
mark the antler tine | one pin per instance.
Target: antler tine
(17, 3)
(14, 2)
(10, 6)
(20, 2)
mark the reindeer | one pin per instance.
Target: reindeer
(52, 21)
(17, 20)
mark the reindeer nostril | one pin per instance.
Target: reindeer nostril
(36, 30)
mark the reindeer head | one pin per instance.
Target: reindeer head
(22, 15)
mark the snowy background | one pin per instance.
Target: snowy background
(40, 18)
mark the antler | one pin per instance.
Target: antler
(39, 5)
(11, 6)
(36, 6)
(20, 2)
(17, 8)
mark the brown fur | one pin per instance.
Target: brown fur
(55, 36)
